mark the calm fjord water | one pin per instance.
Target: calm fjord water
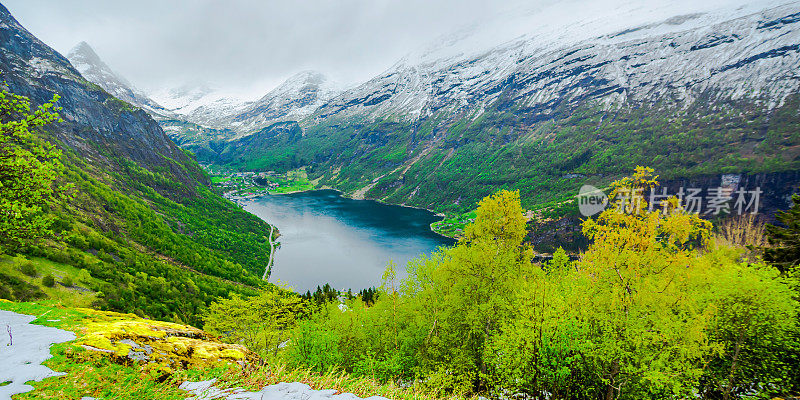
(326, 238)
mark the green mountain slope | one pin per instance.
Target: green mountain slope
(689, 95)
(142, 220)
(450, 165)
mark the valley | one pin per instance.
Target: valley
(441, 132)
(555, 200)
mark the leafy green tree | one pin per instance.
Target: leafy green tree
(260, 322)
(28, 167)
(652, 310)
(462, 296)
(785, 240)
(641, 304)
(754, 331)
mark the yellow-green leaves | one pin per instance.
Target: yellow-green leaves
(499, 219)
(260, 322)
(28, 167)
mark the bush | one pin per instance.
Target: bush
(67, 281)
(15, 289)
(49, 281)
(27, 268)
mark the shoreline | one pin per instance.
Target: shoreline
(346, 196)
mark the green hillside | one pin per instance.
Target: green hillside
(449, 165)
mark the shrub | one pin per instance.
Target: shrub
(67, 281)
(15, 289)
(27, 268)
(49, 281)
(742, 231)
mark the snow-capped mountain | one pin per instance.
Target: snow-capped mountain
(89, 64)
(294, 99)
(539, 98)
(200, 103)
(94, 126)
(627, 54)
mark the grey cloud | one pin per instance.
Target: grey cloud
(244, 44)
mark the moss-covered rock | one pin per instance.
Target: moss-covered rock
(129, 339)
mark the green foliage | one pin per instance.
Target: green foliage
(28, 167)
(435, 324)
(14, 288)
(259, 322)
(49, 281)
(27, 268)
(156, 242)
(547, 158)
(455, 225)
(653, 310)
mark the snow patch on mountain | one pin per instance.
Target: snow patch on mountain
(625, 54)
(293, 100)
(88, 63)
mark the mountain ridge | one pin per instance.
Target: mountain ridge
(525, 118)
(91, 66)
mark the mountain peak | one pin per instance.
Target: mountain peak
(83, 55)
(91, 66)
(310, 76)
(82, 47)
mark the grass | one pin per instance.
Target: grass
(93, 374)
(454, 226)
(289, 182)
(254, 378)
(294, 187)
(59, 294)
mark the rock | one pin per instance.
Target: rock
(23, 350)
(205, 390)
(129, 339)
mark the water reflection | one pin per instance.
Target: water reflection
(326, 238)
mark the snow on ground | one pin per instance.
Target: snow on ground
(283, 391)
(22, 359)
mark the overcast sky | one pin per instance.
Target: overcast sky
(245, 44)
(246, 47)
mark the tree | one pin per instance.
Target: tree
(259, 322)
(785, 240)
(463, 295)
(28, 167)
(638, 270)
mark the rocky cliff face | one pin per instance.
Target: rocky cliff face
(751, 52)
(91, 67)
(96, 124)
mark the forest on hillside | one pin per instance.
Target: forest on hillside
(143, 241)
